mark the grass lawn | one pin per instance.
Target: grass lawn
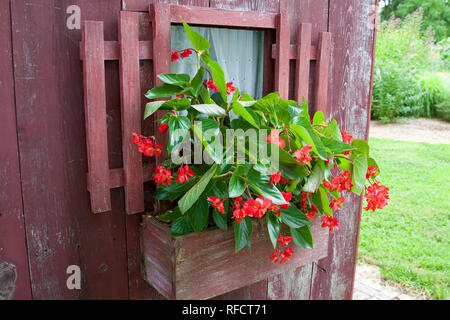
(409, 238)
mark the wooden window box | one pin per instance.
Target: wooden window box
(204, 265)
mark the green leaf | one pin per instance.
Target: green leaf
(266, 103)
(242, 233)
(239, 110)
(273, 227)
(198, 214)
(178, 128)
(314, 180)
(324, 200)
(333, 130)
(197, 81)
(318, 146)
(173, 191)
(293, 217)
(151, 107)
(212, 110)
(305, 113)
(318, 117)
(220, 220)
(336, 146)
(198, 42)
(361, 146)
(359, 172)
(170, 215)
(177, 79)
(262, 185)
(209, 133)
(186, 202)
(219, 78)
(237, 184)
(304, 135)
(163, 91)
(181, 226)
(303, 237)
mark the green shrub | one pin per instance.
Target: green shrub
(436, 96)
(402, 56)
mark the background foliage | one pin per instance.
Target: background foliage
(411, 71)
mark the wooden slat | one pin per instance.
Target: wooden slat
(322, 72)
(303, 62)
(112, 49)
(218, 17)
(160, 15)
(282, 52)
(130, 90)
(95, 113)
(292, 52)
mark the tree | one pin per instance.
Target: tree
(436, 13)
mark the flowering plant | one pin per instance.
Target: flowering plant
(303, 168)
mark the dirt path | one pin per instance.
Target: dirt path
(419, 130)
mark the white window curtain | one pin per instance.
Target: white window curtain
(239, 52)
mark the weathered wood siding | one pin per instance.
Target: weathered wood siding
(45, 219)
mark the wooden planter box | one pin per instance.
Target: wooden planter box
(202, 266)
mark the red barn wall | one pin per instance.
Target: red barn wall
(45, 218)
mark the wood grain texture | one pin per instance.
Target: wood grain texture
(282, 57)
(351, 65)
(112, 50)
(95, 110)
(201, 266)
(13, 251)
(130, 90)
(60, 229)
(322, 73)
(303, 62)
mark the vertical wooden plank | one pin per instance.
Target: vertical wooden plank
(351, 65)
(303, 62)
(322, 72)
(131, 110)
(60, 228)
(160, 15)
(282, 52)
(95, 112)
(14, 272)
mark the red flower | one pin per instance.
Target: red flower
(284, 240)
(275, 209)
(330, 222)
(284, 180)
(371, 171)
(312, 213)
(328, 160)
(336, 204)
(158, 150)
(237, 203)
(340, 183)
(287, 196)
(286, 255)
(217, 204)
(239, 215)
(162, 175)
(186, 53)
(377, 196)
(276, 177)
(303, 154)
(346, 138)
(147, 149)
(257, 208)
(137, 138)
(184, 174)
(174, 56)
(180, 96)
(230, 87)
(163, 127)
(274, 138)
(210, 84)
(274, 256)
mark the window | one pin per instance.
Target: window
(239, 52)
